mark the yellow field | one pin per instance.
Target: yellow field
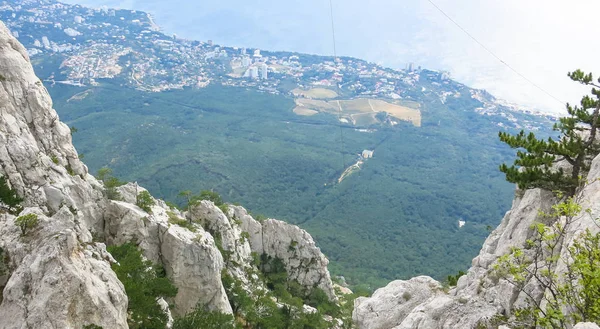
(320, 106)
(397, 111)
(80, 96)
(359, 105)
(301, 110)
(360, 109)
(316, 93)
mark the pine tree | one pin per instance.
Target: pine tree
(533, 167)
(9, 199)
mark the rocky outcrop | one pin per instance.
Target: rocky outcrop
(303, 260)
(36, 153)
(395, 302)
(194, 265)
(586, 325)
(480, 294)
(57, 276)
(191, 259)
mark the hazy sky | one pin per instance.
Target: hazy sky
(541, 39)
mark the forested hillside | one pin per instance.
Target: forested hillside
(397, 217)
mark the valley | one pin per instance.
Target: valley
(169, 114)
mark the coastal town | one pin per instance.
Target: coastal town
(84, 46)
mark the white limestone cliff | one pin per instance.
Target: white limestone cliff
(56, 276)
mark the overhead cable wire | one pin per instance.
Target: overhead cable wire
(494, 55)
(337, 85)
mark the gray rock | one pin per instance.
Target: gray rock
(586, 325)
(57, 278)
(194, 265)
(303, 260)
(389, 306)
(54, 282)
(191, 259)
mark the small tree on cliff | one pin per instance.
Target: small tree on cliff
(533, 167)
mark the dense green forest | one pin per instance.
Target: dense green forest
(396, 218)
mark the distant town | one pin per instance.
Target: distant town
(82, 46)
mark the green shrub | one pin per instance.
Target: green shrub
(171, 205)
(110, 183)
(259, 310)
(70, 170)
(144, 284)
(144, 200)
(4, 261)
(173, 219)
(224, 208)
(452, 280)
(92, 326)
(202, 318)
(54, 159)
(207, 195)
(26, 222)
(8, 197)
(245, 236)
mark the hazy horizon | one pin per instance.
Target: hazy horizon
(535, 37)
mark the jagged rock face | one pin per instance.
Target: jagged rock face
(60, 278)
(36, 152)
(194, 265)
(396, 301)
(480, 294)
(303, 260)
(228, 232)
(191, 259)
(586, 325)
(57, 278)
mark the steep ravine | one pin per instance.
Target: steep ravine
(59, 274)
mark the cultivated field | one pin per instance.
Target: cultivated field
(359, 111)
(301, 110)
(316, 93)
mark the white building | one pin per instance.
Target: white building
(45, 42)
(254, 72)
(264, 69)
(246, 61)
(367, 154)
(257, 53)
